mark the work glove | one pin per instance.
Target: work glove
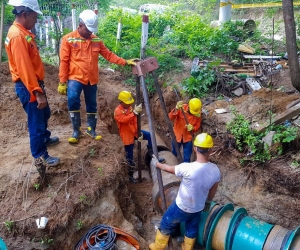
(132, 61)
(154, 160)
(189, 127)
(62, 88)
(140, 139)
(179, 105)
(137, 109)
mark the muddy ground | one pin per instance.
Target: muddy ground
(91, 187)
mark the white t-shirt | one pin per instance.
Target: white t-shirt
(197, 179)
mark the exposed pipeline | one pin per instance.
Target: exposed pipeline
(222, 227)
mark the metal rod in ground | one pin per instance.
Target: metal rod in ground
(138, 101)
(154, 145)
(163, 105)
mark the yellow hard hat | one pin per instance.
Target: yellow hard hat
(203, 140)
(126, 97)
(195, 106)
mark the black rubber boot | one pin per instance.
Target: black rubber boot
(91, 126)
(76, 122)
(150, 152)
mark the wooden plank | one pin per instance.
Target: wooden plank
(280, 118)
(261, 57)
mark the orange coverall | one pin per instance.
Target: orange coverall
(180, 130)
(79, 58)
(25, 63)
(127, 124)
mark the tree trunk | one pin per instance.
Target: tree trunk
(291, 46)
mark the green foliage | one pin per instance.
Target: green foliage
(79, 224)
(46, 240)
(92, 152)
(239, 127)
(9, 225)
(199, 83)
(285, 134)
(9, 17)
(244, 136)
(36, 186)
(100, 170)
(82, 198)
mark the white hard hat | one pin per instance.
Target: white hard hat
(90, 20)
(31, 4)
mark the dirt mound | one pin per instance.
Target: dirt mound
(90, 185)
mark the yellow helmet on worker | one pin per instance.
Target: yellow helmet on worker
(195, 106)
(126, 97)
(203, 140)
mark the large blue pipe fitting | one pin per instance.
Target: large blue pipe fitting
(292, 240)
(242, 231)
(210, 230)
(249, 233)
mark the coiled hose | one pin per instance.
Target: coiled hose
(103, 237)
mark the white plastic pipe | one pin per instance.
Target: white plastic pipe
(73, 11)
(47, 32)
(59, 22)
(225, 10)
(144, 38)
(53, 41)
(41, 30)
(119, 29)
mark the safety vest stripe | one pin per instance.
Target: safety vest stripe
(75, 40)
(96, 39)
(7, 41)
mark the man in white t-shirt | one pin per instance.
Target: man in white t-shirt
(199, 183)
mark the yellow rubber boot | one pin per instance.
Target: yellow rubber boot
(161, 242)
(188, 243)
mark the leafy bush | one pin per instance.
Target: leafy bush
(198, 86)
(244, 136)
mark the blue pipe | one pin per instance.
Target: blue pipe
(242, 231)
(2, 244)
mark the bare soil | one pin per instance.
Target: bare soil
(91, 187)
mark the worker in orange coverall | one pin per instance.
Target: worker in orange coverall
(28, 73)
(78, 71)
(126, 118)
(184, 131)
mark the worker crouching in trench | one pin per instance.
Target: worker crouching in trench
(126, 118)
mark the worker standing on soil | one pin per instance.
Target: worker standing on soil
(78, 71)
(126, 118)
(183, 129)
(28, 73)
(199, 183)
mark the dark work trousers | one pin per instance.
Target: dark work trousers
(37, 120)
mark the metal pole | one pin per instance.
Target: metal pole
(154, 145)
(163, 105)
(1, 29)
(138, 101)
